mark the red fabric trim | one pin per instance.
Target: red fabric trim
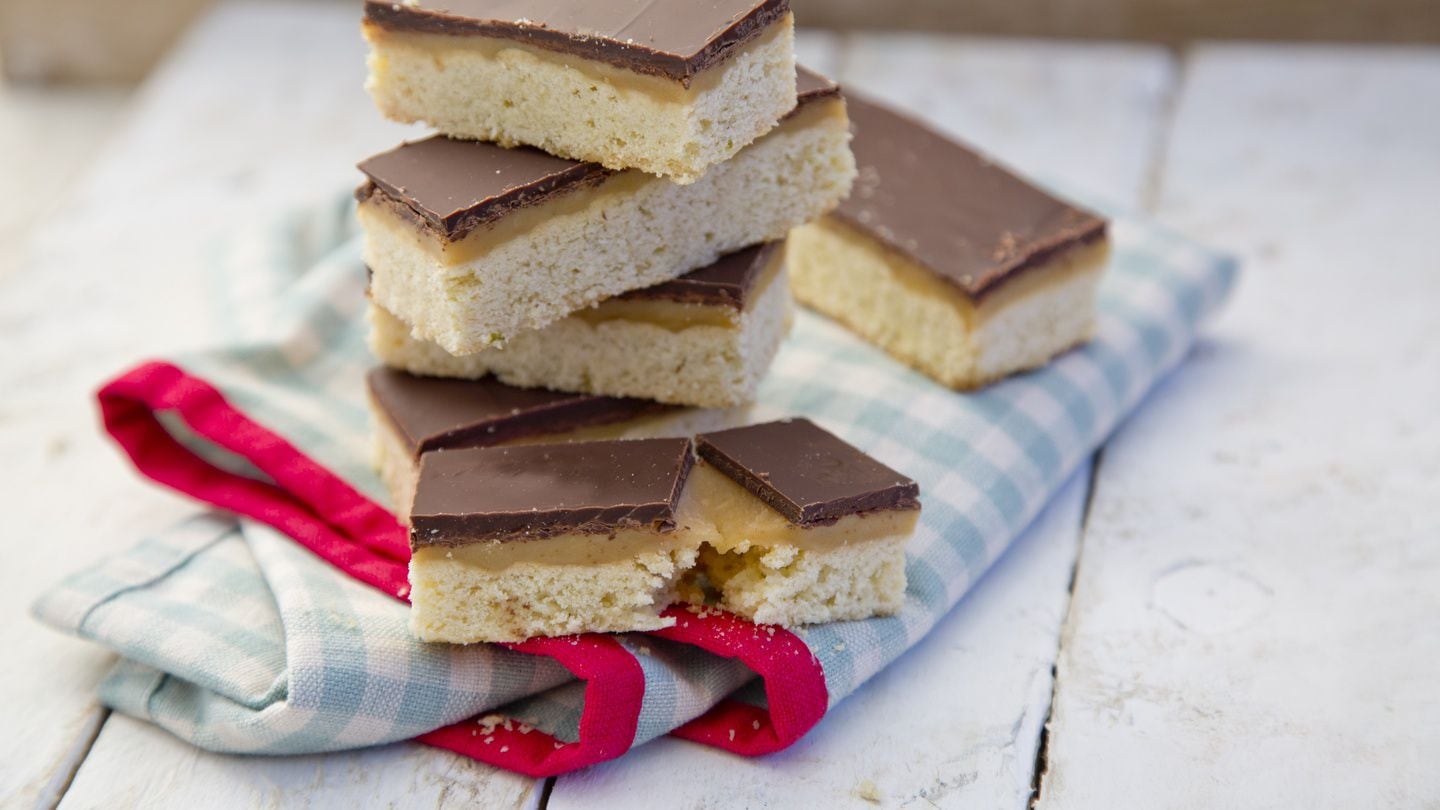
(323, 513)
(306, 501)
(614, 693)
(794, 682)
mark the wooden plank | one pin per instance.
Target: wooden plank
(958, 720)
(157, 770)
(1254, 622)
(260, 112)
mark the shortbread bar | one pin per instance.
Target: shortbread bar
(471, 244)
(670, 87)
(798, 527)
(706, 339)
(414, 415)
(508, 543)
(947, 261)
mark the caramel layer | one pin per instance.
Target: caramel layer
(735, 520)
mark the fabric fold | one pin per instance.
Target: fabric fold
(273, 431)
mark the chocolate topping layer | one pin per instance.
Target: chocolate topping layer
(806, 473)
(455, 186)
(531, 492)
(675, 39)
(727, 282)
(431, 413)
(950, 209)
(810, 85)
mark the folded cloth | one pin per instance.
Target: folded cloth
(278, 626)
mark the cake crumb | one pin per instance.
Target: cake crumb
(525, 728)
(867, 791)
(732, 735)
(504, 748)
(840, 647)
(755, 724)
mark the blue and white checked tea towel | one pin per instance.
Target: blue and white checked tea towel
(238, 639)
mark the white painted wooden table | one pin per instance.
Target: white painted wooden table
(1254, 620)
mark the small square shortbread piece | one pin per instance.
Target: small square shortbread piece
(670, 87)
(947, 261)
(509, 543)
(414, 415)
(799, 527)
(704, 339)
(470, 243)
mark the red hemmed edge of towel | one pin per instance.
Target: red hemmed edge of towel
(329, 517)
(614, 693)
(794, 682)
(306, 501)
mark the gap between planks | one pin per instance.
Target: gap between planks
(1150, 190)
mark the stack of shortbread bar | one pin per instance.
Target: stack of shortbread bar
(586, 274)
(591, 251)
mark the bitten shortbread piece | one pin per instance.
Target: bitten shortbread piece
(414, 415)
(508, 543)
(798, 526)
(706, 339)
(669, 87)
(950, 263)
(470, 243)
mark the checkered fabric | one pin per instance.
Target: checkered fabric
(237, 638)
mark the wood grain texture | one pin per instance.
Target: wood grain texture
(137, 765)
(1254, 621)
(955, 722)
(47, 139)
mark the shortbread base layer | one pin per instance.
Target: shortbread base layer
(398, 468)
(632, 231)
(792, 586)
(455, 602)
(709, 366)
(483, 88)
(929, 324)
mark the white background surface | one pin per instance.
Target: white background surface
(1254, 621)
